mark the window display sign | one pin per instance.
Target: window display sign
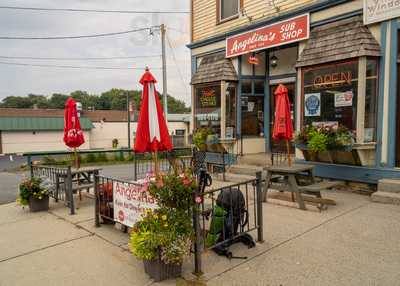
(207, 97)
(343, 99)
(329, 92)
(380, 10)
(208, 117)
(333, 79)
(131, 202)
(312, 104)
(288, 31)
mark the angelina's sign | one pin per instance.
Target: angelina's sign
(380, 10)
(285, 32)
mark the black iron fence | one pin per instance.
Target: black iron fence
(221, 216)
(144, 162)
(104, 191)
(227, 215)
(63, 182)
(54, 180)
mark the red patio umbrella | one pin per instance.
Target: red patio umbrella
(283, 125)
(152, 131)
(73, 135)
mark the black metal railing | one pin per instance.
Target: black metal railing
(104, 190)
(62, 182)
(249, 217)
(167, 161)
(142, 161)
(241, 204)
(54, 180)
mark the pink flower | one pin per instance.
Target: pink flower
(199, 200)
(159, 183)
(145, 187)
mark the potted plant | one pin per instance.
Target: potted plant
(200, 138)
(325, 144)
(115, 143)
(32, 193)
(163, 237)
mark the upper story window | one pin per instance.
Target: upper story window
(228, 9)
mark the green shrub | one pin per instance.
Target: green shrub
(318, 141)
(47, 160)
(102, 157)
(90, 158)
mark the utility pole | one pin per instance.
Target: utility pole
(164, 67)
(128, 113)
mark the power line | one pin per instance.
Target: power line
(177, 30)
(176, 62)
(77, 59)
(75, 37)
(75, 67)
(92, 10)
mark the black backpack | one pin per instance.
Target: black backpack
(233, 202)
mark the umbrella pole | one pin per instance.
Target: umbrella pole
(156, 167)
(76, 158)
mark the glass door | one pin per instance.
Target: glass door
(278, 147)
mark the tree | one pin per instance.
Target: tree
(57, 100)
(114, 99)
(16, 102)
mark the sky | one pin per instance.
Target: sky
(22, 80)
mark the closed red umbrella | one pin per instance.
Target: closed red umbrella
(283, 125)
(152, 131)
(73, 135)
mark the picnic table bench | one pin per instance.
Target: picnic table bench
(63, 183)
(289, 181)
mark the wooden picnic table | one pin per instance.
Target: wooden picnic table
(290, 176)
(75, 181)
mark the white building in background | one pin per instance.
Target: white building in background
(36, 130)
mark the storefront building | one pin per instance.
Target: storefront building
(338, 59)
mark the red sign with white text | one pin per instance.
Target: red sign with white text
(285, 32)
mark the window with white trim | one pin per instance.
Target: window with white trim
(228, 9)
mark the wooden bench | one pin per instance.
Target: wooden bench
(315, 190)
(318, 187)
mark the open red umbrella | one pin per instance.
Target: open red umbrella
(283, 125)
(152, 131)
(73, 135)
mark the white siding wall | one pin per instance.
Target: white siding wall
(99, 137)
(19, 142)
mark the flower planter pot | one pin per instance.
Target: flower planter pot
(346, 157)
(325, 157)
(159, 271)
(36, 205)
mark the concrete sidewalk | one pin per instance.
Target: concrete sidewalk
(353, 243)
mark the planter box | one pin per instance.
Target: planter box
(36, 205)
(346, 156)
(325, 157)
(159, 271)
